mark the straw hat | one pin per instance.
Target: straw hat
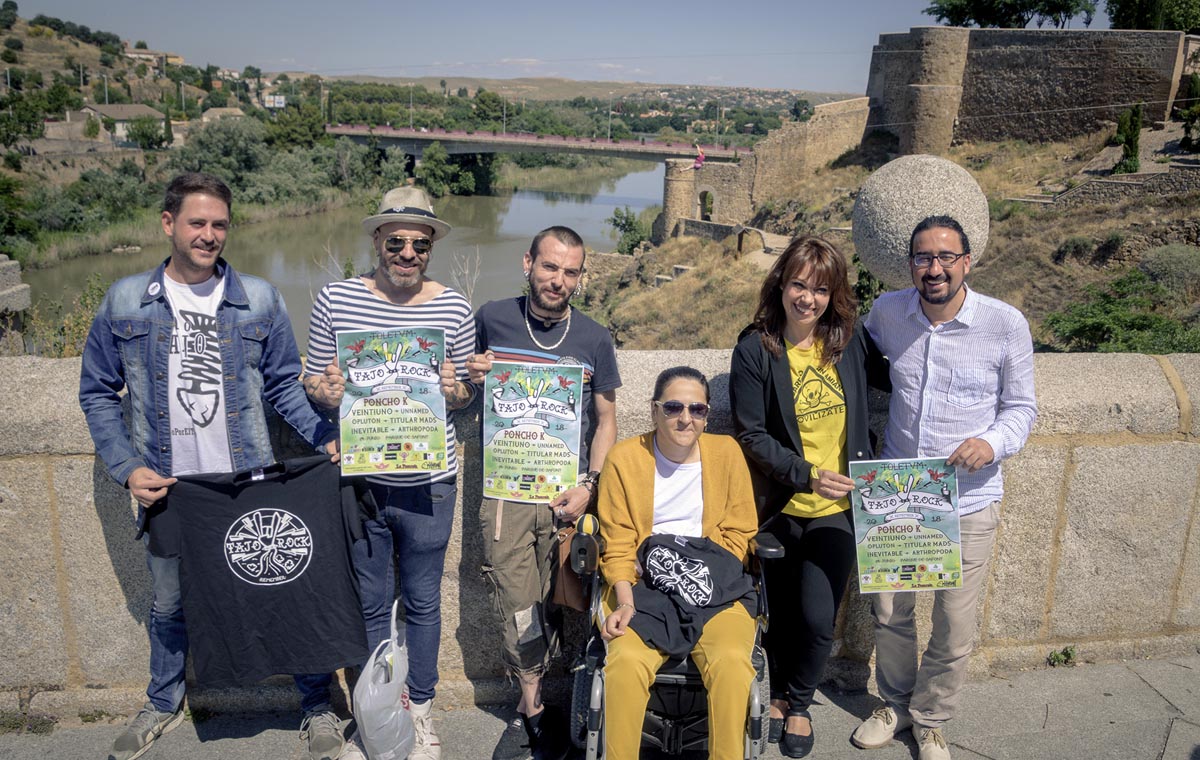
(406, 204)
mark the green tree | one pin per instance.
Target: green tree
(20, 118)
(141, 45)
(435, 171)
(232, 149)
(146, 132)
(1010, 14)
(296, 126)
(488, 106)
(633, 231)
(91, 129)
(8, 14)
(802, 110)
(14, 43)
(167, 132)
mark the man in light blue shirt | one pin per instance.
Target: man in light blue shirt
(962, 388)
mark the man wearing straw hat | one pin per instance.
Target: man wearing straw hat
(416, 510)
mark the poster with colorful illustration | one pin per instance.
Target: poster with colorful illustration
(531, 430)
(906, 525)
(393, 414)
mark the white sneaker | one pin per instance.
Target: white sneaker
(427, 746)
(879, 729)
(931, 742)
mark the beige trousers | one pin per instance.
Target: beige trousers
(930, 692)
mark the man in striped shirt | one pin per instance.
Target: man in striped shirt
(416, 511)
(962, 388)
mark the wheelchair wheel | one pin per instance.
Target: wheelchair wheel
(581, 690)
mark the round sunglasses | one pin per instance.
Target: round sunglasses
(396, 244)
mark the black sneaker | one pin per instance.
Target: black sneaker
(548, 735)
(514, 742)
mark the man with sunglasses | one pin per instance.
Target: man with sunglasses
(962, 388)
(518, 537)
(416, 510)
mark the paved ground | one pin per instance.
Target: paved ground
(1139, 710)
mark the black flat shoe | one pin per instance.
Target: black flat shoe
(795, 745)
(774, 729)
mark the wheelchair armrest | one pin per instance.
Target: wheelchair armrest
(585, 553)
(766, 546)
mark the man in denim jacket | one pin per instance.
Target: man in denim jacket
(200, 349)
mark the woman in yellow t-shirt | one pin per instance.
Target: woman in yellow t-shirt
(798, 387)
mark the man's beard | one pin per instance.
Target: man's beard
(547, 308)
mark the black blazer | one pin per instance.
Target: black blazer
(764, 414)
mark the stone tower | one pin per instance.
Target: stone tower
(679, 198)
(936, 90)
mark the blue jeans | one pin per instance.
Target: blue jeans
(169, 644)
(411, 533)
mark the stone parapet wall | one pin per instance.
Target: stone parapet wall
(1098, 545)
(1179, 180)
(1030, 84)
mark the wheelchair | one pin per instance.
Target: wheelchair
(677, 713)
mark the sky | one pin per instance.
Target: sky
(817, 45)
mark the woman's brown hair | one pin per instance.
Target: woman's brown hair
(836, 325)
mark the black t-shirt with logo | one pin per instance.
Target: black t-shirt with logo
(267, 580)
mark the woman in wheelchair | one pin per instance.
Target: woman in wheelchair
(798, 389)
(677, 514)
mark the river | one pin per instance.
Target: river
(299, 255)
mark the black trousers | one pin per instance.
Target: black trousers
(804, 590)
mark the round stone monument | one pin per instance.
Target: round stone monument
(901, 193)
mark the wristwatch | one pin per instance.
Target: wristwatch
(590, 480)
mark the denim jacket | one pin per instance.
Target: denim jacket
(128, 346)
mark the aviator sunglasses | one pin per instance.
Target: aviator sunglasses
(698, 409)
(396, 244)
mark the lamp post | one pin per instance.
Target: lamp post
(610, 117)
(105, 88)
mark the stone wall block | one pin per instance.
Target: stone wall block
(41, 414)
(108, 582)
(1025, 542)
(31, 636)
(1103, 394)
(1127, 512)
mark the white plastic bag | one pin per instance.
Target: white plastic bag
(381, 706)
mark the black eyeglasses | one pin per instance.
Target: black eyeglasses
(945, 258)
(396, 244)
(698, 409)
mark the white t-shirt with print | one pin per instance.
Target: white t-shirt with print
(199, 434)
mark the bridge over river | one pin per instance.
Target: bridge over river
(414, 142)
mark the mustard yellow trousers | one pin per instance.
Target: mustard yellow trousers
(723, 656)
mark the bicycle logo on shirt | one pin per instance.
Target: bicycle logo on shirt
(268, 546)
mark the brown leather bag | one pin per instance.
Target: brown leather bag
(568, 586)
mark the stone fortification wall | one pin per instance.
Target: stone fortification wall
(716, 231)
(787, 153)
(1099, 544)
(1029, 84)
(774, 170)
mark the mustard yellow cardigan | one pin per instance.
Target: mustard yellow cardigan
(626, 500)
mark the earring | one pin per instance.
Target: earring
(578, 290)
(527, 274)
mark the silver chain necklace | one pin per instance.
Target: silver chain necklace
(536, 342)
